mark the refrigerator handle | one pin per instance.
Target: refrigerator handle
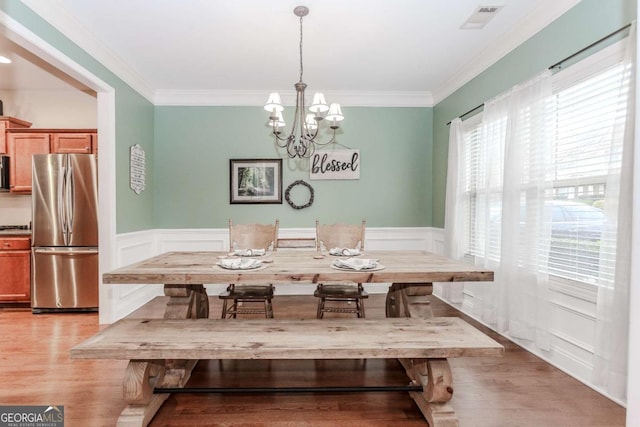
(62, 179)
(53, 251)
(71, 191)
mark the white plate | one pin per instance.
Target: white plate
(239, 264)
(258, 267)
(379, 267)
(233, 254)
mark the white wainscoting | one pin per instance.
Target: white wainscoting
(133, 247)
(573, 305)
(572, 314)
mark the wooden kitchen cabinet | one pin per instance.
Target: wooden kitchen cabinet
(24, 143)
(72, 143)
(22, 146)
(7, 122)
(15, 269)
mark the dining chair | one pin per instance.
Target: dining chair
(244, 299)
(340, 298)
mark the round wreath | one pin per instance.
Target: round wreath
(288, 199)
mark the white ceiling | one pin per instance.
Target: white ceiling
(361, 52)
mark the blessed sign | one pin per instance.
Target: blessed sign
(339, 164)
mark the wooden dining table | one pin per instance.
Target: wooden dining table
(410, 275)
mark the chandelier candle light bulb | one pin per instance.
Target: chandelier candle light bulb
(301, 141)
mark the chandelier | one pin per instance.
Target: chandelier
(301, 141)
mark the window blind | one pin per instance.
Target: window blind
(589, 113)
(587, 109)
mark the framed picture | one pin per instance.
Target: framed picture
(255, 180)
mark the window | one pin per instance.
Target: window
(588, 107)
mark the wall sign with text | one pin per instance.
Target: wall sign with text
(137, 168)
(338, 164)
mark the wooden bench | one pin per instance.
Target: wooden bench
(161, 350)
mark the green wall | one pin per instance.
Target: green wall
(403, 150)
(194, 145)
(134, 120)
(582, 25)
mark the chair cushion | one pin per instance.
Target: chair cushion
(340, 291)
(248, 292)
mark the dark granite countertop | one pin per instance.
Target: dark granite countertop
(10, 233)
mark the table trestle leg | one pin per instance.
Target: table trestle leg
(186, 302)
(407, 300)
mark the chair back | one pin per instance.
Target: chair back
(340, 235)
(253, 236)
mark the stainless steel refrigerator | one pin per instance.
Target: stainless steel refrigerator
(64, 254)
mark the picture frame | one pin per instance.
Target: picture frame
(254, 181)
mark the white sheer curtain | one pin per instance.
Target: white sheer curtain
(612, 317)
(454, 228)
(510, 227)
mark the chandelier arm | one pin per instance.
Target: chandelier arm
(300, 112)
(314, 134)
(292, 150)
(331, 141)
(282, 142)
(312, 150)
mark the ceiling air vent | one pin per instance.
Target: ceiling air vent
(480, 17)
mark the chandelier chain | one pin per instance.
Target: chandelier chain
(301, 67)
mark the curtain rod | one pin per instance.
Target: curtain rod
(595, 43)
(559, 63)
(468, 112)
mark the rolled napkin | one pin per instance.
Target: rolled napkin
(356, 263)
(344, 251)
(249, 252)
(239, 263)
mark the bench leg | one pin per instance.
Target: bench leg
(140, 378)
(410, 300)
(435, 377)
(185, 302)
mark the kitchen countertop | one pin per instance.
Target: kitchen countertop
(12, 233)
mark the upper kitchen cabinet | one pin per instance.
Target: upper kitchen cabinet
(72, 143)
(22, 146)
(6, 123)
(24, 143)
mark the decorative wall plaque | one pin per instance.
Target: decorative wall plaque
(338, 164)
(137, 166)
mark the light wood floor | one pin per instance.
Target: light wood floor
(516, 390)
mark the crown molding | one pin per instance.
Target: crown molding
(258, 98)
(529, 26)
(56, 15)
